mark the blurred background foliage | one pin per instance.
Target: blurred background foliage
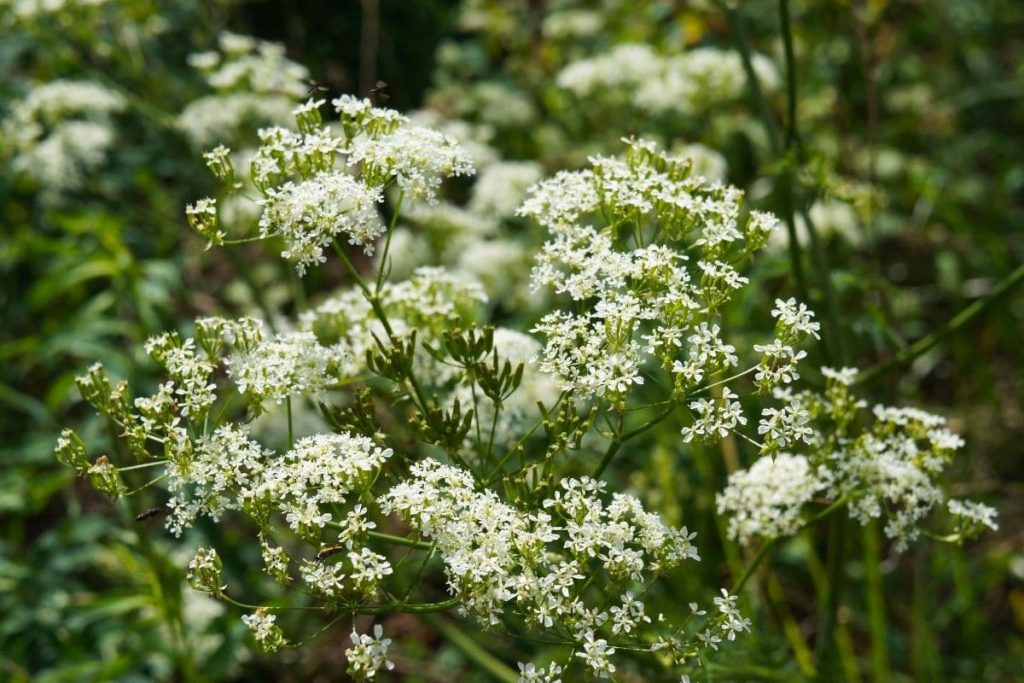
(907, 155)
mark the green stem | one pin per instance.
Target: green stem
(756, 93)
(400, 540)
(617, 442)
(769, 544)
(244, 272)
(291, 432)
(876, 604)
(826, 656)
(497, 669)
(956, 323)
(387, 244)
(361, 283)
(389, 538)
(129, 468)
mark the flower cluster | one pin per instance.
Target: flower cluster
(889, 469)
(317, 186)
(537, 564)
(368, 654)
(624, 232)
(689, 83)
(253, 82)
(267, 634)
(60, 131)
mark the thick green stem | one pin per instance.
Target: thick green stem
(498, 670)
(400, 540)
(756, 93)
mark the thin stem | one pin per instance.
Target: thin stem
(143, 465)
(291, 431)
(769, 544)
(516, 446)
(617, 442)
(361, 283)
(724, 381)
(147, 484)
(957, 322)
(389, 538)
(387, 244)
(876, 604)
(826, 661)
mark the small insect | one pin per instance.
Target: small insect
(379, 91)
(314, 87)
(151, 512)
(327, 552)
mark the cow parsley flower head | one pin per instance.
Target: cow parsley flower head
(267, 634)
(972, 518)
(765, 501)
(623, 234)
(368, 654)
(288, 364)
(417, 158)
(531, 673)
(310, 214)
(60, 132)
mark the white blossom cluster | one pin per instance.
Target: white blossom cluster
(317, 186)
(347, 327)
(766, 500)
(368, 654)
(288, 364)
(253, 82)
(624, 233)
(888, 470)
(267, 634)
(536, 563)
(229, 471)
(501, 187)
(637, 75)
(59, 132)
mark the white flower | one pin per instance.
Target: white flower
(765, 500)
(310, 214)
(289, 364)
(268, 635)
(973, 517)
(368, 654)
(417, 158)
(597, 655)
(529, 673)
(795, 320)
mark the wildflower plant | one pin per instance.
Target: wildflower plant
(458, 466)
